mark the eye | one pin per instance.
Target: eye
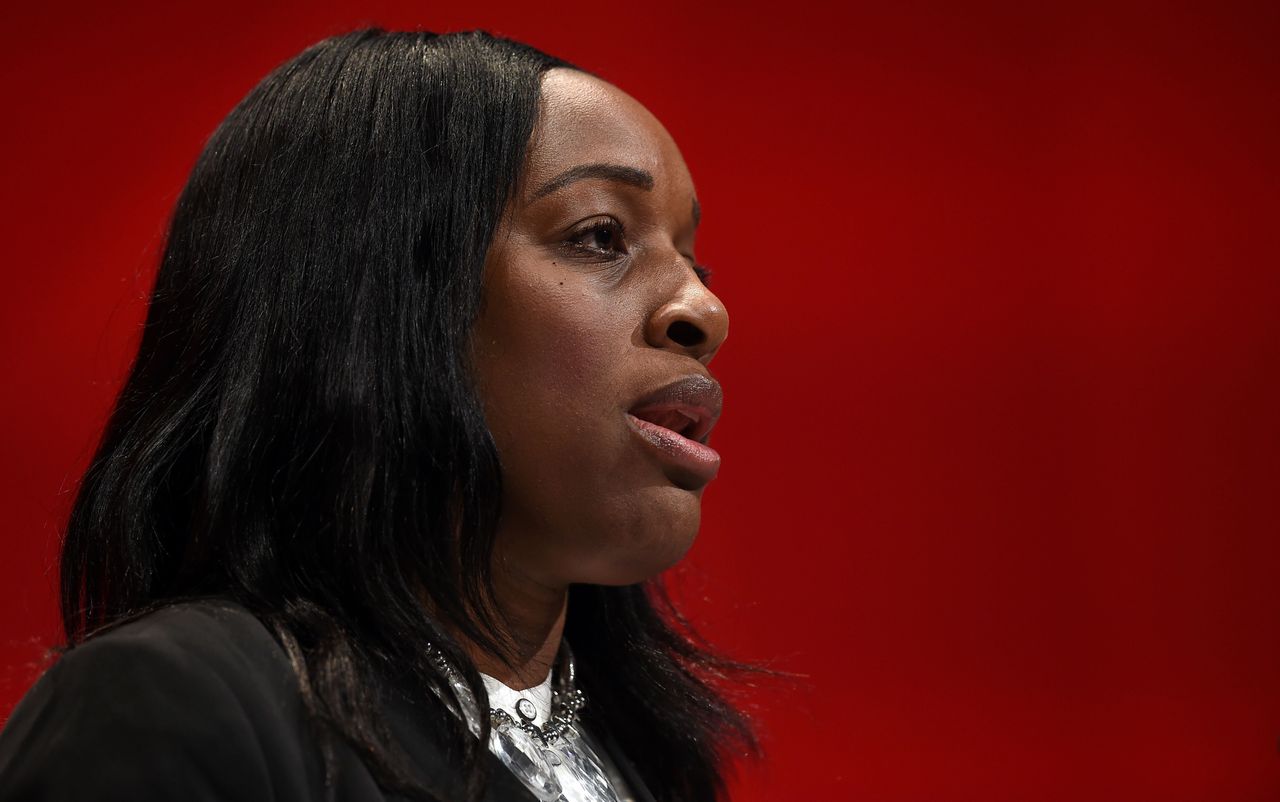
(601, 237)
(703, 273)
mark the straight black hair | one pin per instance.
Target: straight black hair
(299, 431)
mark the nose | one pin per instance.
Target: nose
(693, 322)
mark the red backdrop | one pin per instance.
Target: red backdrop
(1001, 435)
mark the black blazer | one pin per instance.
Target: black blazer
(199, 702)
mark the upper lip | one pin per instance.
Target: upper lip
(697, 398)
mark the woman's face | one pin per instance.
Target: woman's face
(592, 305)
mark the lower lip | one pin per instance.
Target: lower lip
(699, 461)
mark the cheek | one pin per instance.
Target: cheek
(581, 501)
(548, 350)
(560, 357)
(550, 359)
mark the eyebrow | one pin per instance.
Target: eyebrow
(610, 172)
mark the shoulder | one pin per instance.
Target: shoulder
(217, 629)
(184, 659)
(195, 699)
(211, 643)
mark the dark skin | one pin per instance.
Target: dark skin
(591, 268)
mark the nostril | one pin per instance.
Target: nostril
(685, 333)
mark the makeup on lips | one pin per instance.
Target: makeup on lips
(674, 422)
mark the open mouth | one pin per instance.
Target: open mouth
(688, 422)
(674, 422)
(670, 436)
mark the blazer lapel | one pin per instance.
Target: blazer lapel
(420, 731)
(625, 767)
(504, 786)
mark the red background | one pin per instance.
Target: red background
(1001, 435)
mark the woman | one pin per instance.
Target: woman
(419, 411)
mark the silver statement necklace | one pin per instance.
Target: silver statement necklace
(552, 760)
(566, 700)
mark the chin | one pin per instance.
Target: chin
(657, 539)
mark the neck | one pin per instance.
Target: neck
(535, 614)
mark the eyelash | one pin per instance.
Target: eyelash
(615, 227)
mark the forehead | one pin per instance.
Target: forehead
(583, 120)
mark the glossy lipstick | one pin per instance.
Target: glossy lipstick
(674, 421)
(702, 462)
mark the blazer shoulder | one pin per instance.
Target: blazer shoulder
(194, 700)
(202, 639)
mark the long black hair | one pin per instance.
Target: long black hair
(299, 431)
